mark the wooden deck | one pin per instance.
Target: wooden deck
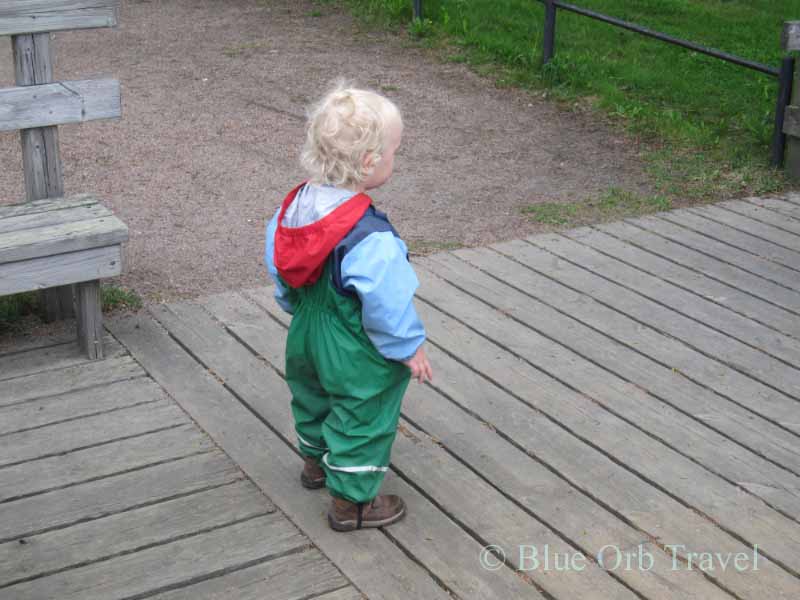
(630, 390)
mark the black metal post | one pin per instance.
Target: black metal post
(418, 9)
(784, 97)
(549, 31)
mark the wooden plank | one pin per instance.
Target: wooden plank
(50, 358)
(75, 405)
(83, 212)
(697, 439)
(711, 267)
(249, 377)
(30, 16)
(788, 241)
(650, 457)
(371, 561)
(762, 215)
(782, 322)
(713, 372)
(90, 431)
(171, 565)
(41, 158)
(130, 530)
(790, 36)
(293, 577)
(778, 205)
(89, 313)
(561, 450)
(733, 237)
(65, 380)
(744, 344)
(35, 340)
(532, 486)
(791, 121)
(50, 271)
(34, 207)
(111, 495)
(59, 103)
(105, 460)
(463, 495)
(656, 363)
(348, 593)
(53, 240)
(755, 265)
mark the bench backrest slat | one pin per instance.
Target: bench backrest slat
(34, 16)
(59, 104)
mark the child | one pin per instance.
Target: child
(355, 339)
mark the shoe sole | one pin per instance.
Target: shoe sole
(312, 484)
(352, 525)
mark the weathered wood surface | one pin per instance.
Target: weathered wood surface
(372, 561)
(240, 370)
(627, 351)
(59, 103)
(131, 529)
(56, 214)
(790, 36)
(791, 123)
(31, 16)
(80, 377)
(689, 280)
(733, 237)
(763, 215)
(32, 414)
(41, 159)
(109, 490)
(756, 351)
(52, 240)
(779, 205)
(523, 481)
(25, 209)
(89, 313)
(720, 251)
(714, 269)
(604, 388)
(608, 481)
(45, 272)
(49, 359)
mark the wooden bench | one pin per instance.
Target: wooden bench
(62, 246)
(60, 242)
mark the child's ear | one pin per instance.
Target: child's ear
(368, 161)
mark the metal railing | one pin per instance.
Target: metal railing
(784, 74)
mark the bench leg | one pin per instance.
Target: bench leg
(58, 303)
(90, 319)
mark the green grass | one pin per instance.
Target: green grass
(706, 125)
(425, 247)
(613, 204)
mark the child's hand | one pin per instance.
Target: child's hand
(419, 365)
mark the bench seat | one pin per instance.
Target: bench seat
(59, 242)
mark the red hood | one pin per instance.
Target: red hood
(300, 252)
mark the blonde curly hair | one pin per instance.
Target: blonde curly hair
(343, 128)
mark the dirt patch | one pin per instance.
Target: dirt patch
(213, 100)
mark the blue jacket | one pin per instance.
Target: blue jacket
(369, 262)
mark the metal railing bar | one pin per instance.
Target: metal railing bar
(731, 58)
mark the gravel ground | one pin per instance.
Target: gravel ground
(214, 95)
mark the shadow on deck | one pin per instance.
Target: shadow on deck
(622, 400)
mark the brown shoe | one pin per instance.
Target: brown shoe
(383, 510)
(313, 476)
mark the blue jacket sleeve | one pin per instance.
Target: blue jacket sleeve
(269, 261)
(379, 272)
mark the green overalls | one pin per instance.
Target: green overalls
(345, 395)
